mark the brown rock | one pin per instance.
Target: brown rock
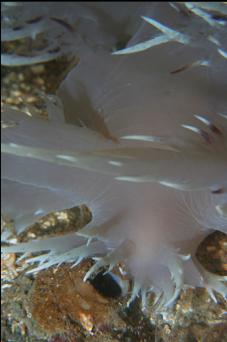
(62, 302)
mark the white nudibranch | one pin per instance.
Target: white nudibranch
(140, 138)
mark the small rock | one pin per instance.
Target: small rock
(38, 69)
(61, 302)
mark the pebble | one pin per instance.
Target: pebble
(39, 81)
(38, 69)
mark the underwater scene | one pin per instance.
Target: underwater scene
(114, 171)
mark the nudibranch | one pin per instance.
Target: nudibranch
(141, 139)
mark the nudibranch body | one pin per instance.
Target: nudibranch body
(114, 141)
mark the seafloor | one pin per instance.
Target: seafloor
(56, 305)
